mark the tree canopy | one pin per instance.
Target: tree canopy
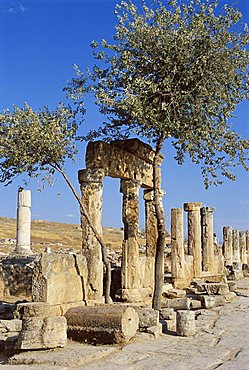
(174, 71)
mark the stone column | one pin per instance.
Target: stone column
(242, 243)
(130, 252)
(150, 223)
(228, 245)
(91, 181)
(194, 235)
(236, 249)
(207, 238)
(247, 246)
(23, 223)
(177, 249)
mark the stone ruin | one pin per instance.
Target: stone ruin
(47, 288)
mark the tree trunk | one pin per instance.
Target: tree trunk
(98, 237)
(159, 262)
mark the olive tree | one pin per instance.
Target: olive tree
(174, 71)
(38, 144)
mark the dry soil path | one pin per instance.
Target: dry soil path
(222, 343)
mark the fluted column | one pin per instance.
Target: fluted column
(194, 235)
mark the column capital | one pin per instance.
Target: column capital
(95, 175)
(192, 206)
(24, 198)
(207, 210)
(129, 185)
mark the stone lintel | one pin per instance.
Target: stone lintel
(119, 163)
(192, 206)
(137, 147)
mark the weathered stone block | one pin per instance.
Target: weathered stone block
(185, 323)
(216, 288)
(167, 314)
(177, 303)
(213, 301)
(155, 331)
(43, 332)
(147, 317)
(174, 293)
(32, 309)
(59, 278)
(7, 326)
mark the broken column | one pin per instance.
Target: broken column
(185, 323)
(194, 235)
(247, 245)
(228, 245)
(177, 249)
(130, 255)
(207, 227)
(150, 223)
(91, 181)
(236, 248)
(23, 222)
(242, 242)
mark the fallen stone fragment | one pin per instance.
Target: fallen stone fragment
(155, 331)
(43, 333)
(216, 288)
(102, 324)
(213, 301)
(174, 293)
(167, 314)
(231, 296)
(177, 303)
(185, 323)
(32, 309)
(232, 285)
(147, 317)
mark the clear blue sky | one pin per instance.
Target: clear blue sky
(39, 42)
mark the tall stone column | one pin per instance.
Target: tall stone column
(228, 245)
(23, 223)
(91, 181)
(247, 245)
(194, 235)
(150, 223)
(242, 243)
(236, 248)
(130, 255)
(207, 238)
(177, 249)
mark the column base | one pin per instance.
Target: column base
(22, 251)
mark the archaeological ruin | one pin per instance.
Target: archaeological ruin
(50, 296)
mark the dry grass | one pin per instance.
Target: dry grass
(56, 235)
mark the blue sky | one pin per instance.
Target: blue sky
(40, 40)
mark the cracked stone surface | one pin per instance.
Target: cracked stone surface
(221, 343)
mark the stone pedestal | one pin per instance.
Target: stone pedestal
(207, 227)
(23, 223)
(177, 249)
(130, 255)
(185, 323)
(228, 245)
(236, 248)
(242, 243)
(91, 181)
(194, 235)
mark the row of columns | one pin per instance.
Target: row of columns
(91, 182)
(235, 246)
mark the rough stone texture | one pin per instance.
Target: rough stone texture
(194, 235)
(247, 246)
(177, 249)
(16, 276)
(150, 223)
(216, 345)
(185, 323)
(177, 303)
(102, 324)
(236, 247)
(43, 333)
(32, 309)
(120, 163)
(91, 183)
(242, 243)
(214, 288)
(59, 278)
(174, 293)
(147, 317)
(228, 245)
(213, 301)
(167, 314)
(130, 251)
(23, 240)
(9, 333)
(207, 231)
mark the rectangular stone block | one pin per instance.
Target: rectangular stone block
(59, 278)
(147, 317)
(43, 333)
(32, 309)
